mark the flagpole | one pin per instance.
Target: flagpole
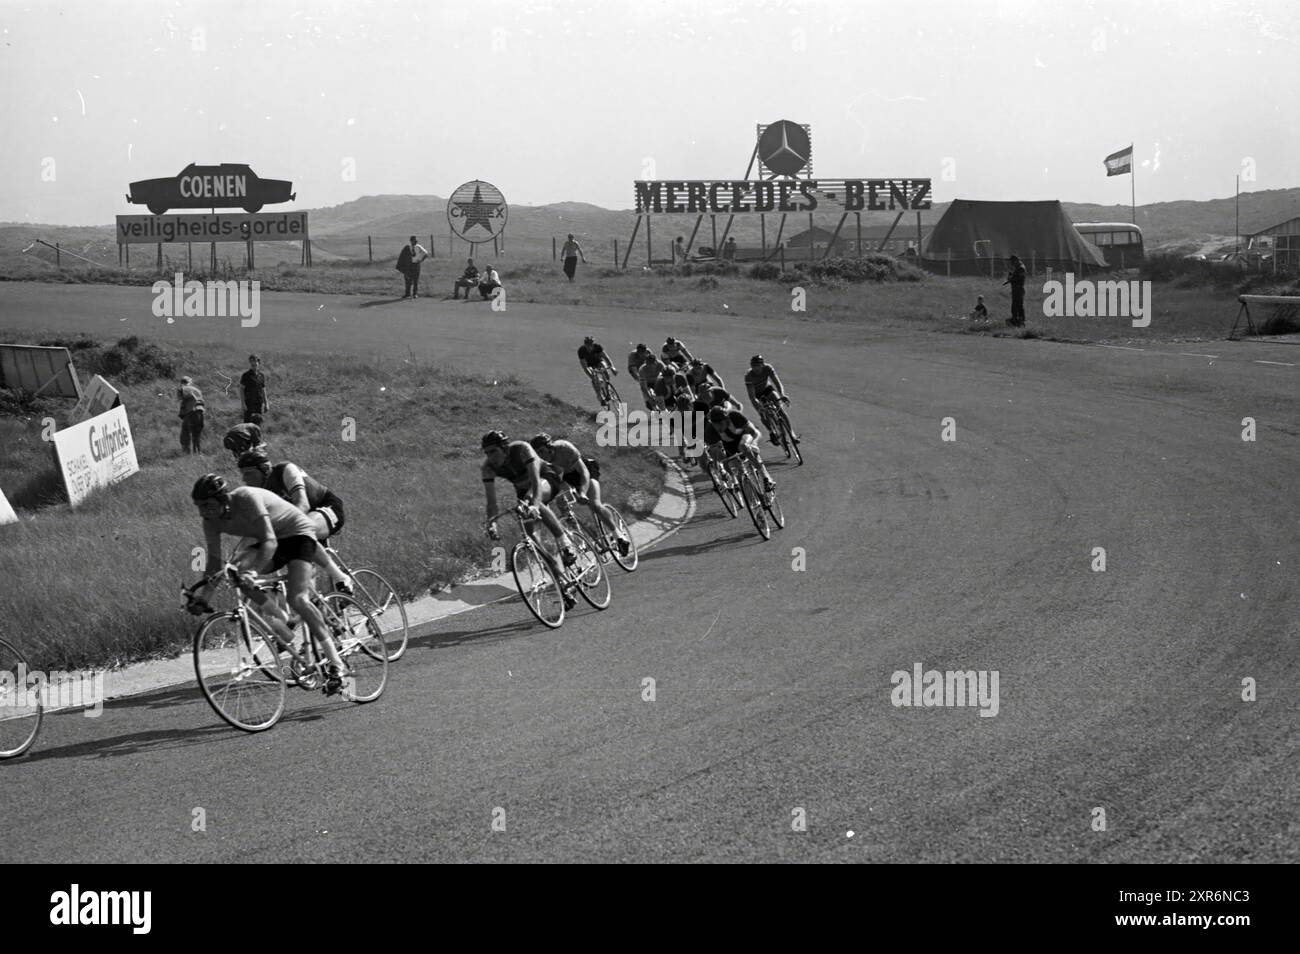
(1132, 184)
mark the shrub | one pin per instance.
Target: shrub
(765, 271)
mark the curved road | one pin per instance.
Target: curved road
(1119, 690)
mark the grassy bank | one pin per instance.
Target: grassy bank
(99, 585)
(1188, 304)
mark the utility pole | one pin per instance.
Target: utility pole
(1238, 226)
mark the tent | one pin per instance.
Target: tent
(971, 233)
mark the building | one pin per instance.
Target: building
(1282, 241)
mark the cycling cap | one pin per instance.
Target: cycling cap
(493, 439)
(717, 415)
(757, 359)
(588, 340)
(208, 486)
(541, 440)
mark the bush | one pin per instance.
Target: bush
(707, 283)
(129, 361)
(765, 271)
(874, 267)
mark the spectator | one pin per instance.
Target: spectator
(1016, 279)
(252, 386)
(467, 280)
(408, 263)
(679, 250)
(729, 249)
(191, 415)
(980, 313)
(490, 283)
(570, 254)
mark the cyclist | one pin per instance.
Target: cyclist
(717, 397)
(636, 358)
(535, 484)
(243, 438)
(592, 357)
(762, 381)
(651, 370)
(582, 474)
(739, 436)
(674, 352)
(697, 373)
(276, 534)
(321, 505)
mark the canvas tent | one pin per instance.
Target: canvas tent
(971, 233)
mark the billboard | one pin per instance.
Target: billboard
(740, 196)
(39, 370)
(95, 453)
(97, 397)
(477, 205)
(264, 227)
(229, 185)
(7, 514)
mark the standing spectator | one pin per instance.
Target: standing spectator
(408, 263)
(570, 254)
(467, 280)
(491, 281)
(729, 249)
(252, 385)
(1016, 279)
(679, 250)
(191, 415)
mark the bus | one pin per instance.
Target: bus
(1120, 242)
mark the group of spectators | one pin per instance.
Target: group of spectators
(413, 253)
(193, 411)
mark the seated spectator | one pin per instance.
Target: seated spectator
(490, 283)
(468, 280)
(980, 313)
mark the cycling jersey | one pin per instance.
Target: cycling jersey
(319, 497)
(711, 435)
(249, 504)
(732, 432)
(649, 372)
(762, 379)
(519, 455)
(697, 375)
(718, 397)
(566, 459)
(634, 361)
(676, 353)
(592, 355)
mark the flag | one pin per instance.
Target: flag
(1118, 163)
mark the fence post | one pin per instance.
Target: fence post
(554, 256)
(783, 258)
(58, 255)
(616, 253)
(370, 249)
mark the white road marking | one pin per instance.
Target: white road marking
(1193, 354)
(1122, 348)
(1284, 364)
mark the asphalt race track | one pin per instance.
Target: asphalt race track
(1118, 689)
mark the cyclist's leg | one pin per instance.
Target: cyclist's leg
(749, 447)
(594, 377)
(598, 508)
(548, 517)
(300, 590)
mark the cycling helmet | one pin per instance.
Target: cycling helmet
(670, 340)
(241, 437)
(589, 340)
(642, 347)
(493, 439)
(717, 415)
(253, 458)
(541, 440)
(756, 359)
(209, 486)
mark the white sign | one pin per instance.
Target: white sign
(7, 514)
(96, 397)
(95, 453)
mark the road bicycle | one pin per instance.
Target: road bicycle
(244, 668)
(605, 543)
(783, 430)
(760, 504)
(722, 483)
(542, 582)
(609, 396)
(21, 704)
(380, 597)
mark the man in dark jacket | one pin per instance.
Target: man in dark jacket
(1016, 279)
(252, 388)
(408, 263)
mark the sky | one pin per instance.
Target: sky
(573, 101)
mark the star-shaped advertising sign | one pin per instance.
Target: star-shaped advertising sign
(477, 211)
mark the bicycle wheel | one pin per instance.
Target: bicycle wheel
(593, 581)
(720, 487)
(788, 438)
(21, 705)
(754, 504)
(240, 671)
(628, 561)
(537, 585)
(361, 646)
(612, 397)
(378, 596)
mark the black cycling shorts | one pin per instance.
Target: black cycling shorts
(331, 508)
(292, 548)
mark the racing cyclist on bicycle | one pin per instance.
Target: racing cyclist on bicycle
(697, 373)
(592, 356)
(738, 435)
(322, 506)
(762, 382)
(580, 473)
(535, 483)
(278, 535)
(649, 374)
(674, 352)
